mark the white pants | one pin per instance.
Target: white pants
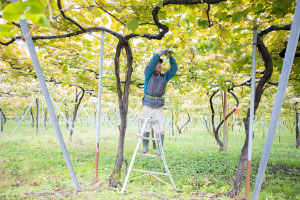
(154, 113)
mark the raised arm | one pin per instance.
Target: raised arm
(150, 68)
(172, 71)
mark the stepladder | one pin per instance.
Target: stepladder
(143, 122)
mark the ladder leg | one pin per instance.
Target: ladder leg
(131, 165)
(133, 158)
(163, 156)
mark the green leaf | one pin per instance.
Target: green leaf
(5, 28)
(202, 23)
(192, 17)
(35, 8)
(86, 42)
(229, 50)
(133, 24)
(284, 5)
(237, 17)
(12, 33)
(38, 19)
(13, 11)
(162, 14)
(64, 69)
(160, 3)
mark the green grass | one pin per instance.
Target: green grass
(32, 166)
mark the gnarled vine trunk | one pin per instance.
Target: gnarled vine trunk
(297, 126)
(216, 130)
(77, 104)
(114, 180)
(258, 94)
(32, 117)
(2, 119)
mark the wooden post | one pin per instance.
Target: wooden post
(225, 133)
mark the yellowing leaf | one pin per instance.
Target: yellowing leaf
(203, 14)
(105, 20)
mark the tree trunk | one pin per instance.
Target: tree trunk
(37, 116)
(258, 94)
(241, 164)
(1, 121)
(180, 128)
(216, 130)
(45, 118)
(297, 126)
(206, 124)
(32, 118)
(114, 180)
(77, 104)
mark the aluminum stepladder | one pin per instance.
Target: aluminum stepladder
(140, 136)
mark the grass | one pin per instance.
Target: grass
(32, 166)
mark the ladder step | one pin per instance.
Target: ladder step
(149, 172)
(151, 155)
(146, 138)
(149, 120)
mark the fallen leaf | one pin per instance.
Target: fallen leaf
(218, 194)
(34, 184)
(57, 188)
(206, 181)
(209, 195)
(228, 181)
(152, 177)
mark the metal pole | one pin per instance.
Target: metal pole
(2, 78)
(99, 109)
(45, 127)
(89, 117)
(251, 117)
(283, 81)
(23, 117)
(43, 86)
(66, 120)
